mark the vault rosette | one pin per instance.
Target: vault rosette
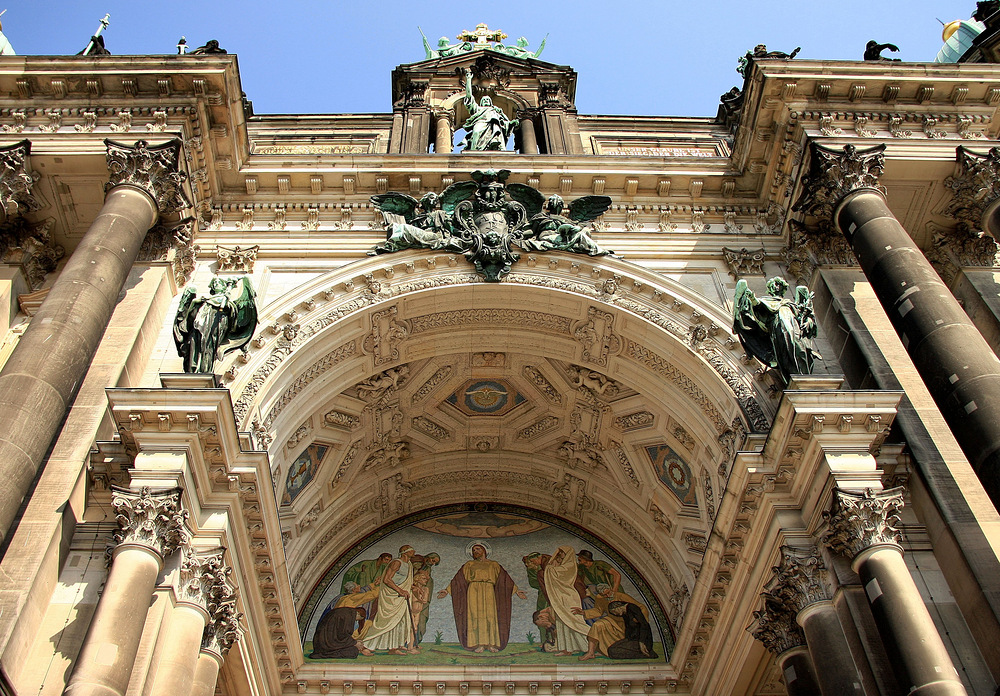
(152, 519)
(833, 174)
(153, 169)
(861, 520)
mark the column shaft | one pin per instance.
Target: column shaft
(206, 674)
(175, 673)
(911, 639)
(962, 373)
(797, 673)
(105, 662)
(41, 377)
(831, 655)
(529, 144)
(444, 139)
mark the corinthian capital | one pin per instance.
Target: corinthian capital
(15, 179)
(776, 628)
(153, 169)
(153, 519)
(201, 577)
(223, 625)
(862, 520)
(835, 173)
(800, 580)
(975, 188)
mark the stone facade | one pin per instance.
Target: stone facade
(185, 533)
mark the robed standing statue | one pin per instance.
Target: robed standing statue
(207, 327)
(488, 127)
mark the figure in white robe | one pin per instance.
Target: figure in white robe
(392, 628)
(561, 588)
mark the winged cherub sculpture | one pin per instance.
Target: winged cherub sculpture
(550, 229)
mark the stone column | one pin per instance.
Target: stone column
(42, 375)
(151, 525)
(800, 586)
(961, 371)
(15, 181)
(529, 143)
(202, 584)
(862, 527)
(444, 136)
(220, 634)
(776, 629)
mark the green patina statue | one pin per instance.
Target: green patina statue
(485, 217)
(777, 331)
(207, 327)
(480, 39)
(488, 127)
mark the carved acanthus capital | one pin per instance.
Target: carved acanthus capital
(776, 628)
(975, 188)
(30, 246)
(223, 628)
(153, 169)
(202, 574)
(152, 519)
(16, 180)
(861, 520)
(833, 174)
(813, 246)
(800, 580)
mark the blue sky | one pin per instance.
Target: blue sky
(652, 58)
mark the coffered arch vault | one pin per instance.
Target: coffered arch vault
(602, 394)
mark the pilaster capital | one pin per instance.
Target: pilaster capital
(16, 180)
(800, 580)
(152, 169)
(202, 574)
(861, 520)
(775, 627)
(975, 188)
(448, 114)
(833, 174)
(151, 519)
(223, 625)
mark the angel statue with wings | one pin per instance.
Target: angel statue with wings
(550, 229)
(207, 327)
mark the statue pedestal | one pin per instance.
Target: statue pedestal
(813, 382)
(189, 380)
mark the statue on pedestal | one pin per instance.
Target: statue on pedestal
(207, 327)
(777, 331)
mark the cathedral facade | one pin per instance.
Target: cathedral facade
(321, 404)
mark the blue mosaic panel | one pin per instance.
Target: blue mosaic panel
(485, 397)
(302, 470)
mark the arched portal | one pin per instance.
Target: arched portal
(602, 395)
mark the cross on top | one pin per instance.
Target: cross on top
(482, 34)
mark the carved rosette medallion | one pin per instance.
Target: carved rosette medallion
(861, 520)
(975, 188)
(152, 169)
(15, 179)
(800, 580)
(200, 573)
(776, 628)
(151, 519)
(833, 174)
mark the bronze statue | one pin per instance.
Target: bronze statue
(873, 51)
(207, 327)
(488, 127)
(778, 332)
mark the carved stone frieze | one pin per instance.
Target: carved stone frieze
(974, 188)
(386, 334)
(341, 419)
(536, 377)
(152, 169)
(597, 336)
(385, 382)
(800, 580)
(427, 387)
(538, 428)
(861, 520)
(835, 173)
(236, 259)
(744, 262)
(634, 421)
(152, 519)
(16, 180)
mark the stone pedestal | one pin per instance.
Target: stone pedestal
(42, 375)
